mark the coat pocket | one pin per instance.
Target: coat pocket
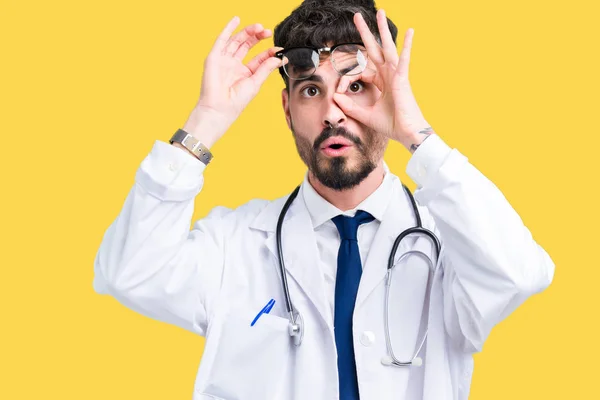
(249, 362)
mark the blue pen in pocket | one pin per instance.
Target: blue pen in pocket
(266, 309)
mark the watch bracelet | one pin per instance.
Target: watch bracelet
(193, 145)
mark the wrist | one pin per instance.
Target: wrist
(203, 128)
(415, 140)
(202, 132)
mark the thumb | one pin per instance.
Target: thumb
(351, 109)
(249, 87)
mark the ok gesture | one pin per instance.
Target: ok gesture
(396, 113)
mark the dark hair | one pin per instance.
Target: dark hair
(317, 22)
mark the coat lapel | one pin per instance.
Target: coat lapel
(300, 252)
(398, 217)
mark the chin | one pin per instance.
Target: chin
(335, 173)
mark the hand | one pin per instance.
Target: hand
(227, 84)
(396, 113)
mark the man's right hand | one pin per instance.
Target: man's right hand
(227, 84)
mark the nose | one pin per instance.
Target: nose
(334, 116)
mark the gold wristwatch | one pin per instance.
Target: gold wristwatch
(193, 145)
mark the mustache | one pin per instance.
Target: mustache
(340, 131)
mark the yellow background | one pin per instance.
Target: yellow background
(87, 87)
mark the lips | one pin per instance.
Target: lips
(336, 146)
(336, 142)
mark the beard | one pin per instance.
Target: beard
(341, 172)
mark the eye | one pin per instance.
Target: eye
(309, 91)
(355, 87)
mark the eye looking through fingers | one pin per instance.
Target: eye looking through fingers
(365, 78)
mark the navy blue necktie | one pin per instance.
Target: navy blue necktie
(346, 287)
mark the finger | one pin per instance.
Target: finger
(234, 42)
(389, 47)
(260, 58)
(343, 84)
(404, 59)
(373, 49)
(222, 39)
(251, 42)
(264, 70)
(351, 109)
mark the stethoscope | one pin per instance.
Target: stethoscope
(296, 325)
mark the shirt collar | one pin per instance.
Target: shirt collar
(321, 210)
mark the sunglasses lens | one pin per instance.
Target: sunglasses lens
(349, 59)
(300, 63)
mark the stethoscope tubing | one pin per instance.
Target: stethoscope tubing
(295, 328)
(393, 360)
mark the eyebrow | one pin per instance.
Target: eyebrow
(312, 78)
(346, 70)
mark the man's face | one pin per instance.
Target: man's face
(319, 126)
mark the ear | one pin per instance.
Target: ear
(285, 101)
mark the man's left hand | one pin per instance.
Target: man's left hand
(395, 114)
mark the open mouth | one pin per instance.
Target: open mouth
(336, 146)
(336, 149)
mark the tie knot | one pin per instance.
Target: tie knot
(348, 226)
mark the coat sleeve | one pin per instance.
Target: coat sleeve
(490, 261)
(149, 259)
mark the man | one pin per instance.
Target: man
(335, 324)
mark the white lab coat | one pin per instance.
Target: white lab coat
(214, 279)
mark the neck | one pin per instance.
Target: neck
(349, 198)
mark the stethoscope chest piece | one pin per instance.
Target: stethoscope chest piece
(296, 328)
